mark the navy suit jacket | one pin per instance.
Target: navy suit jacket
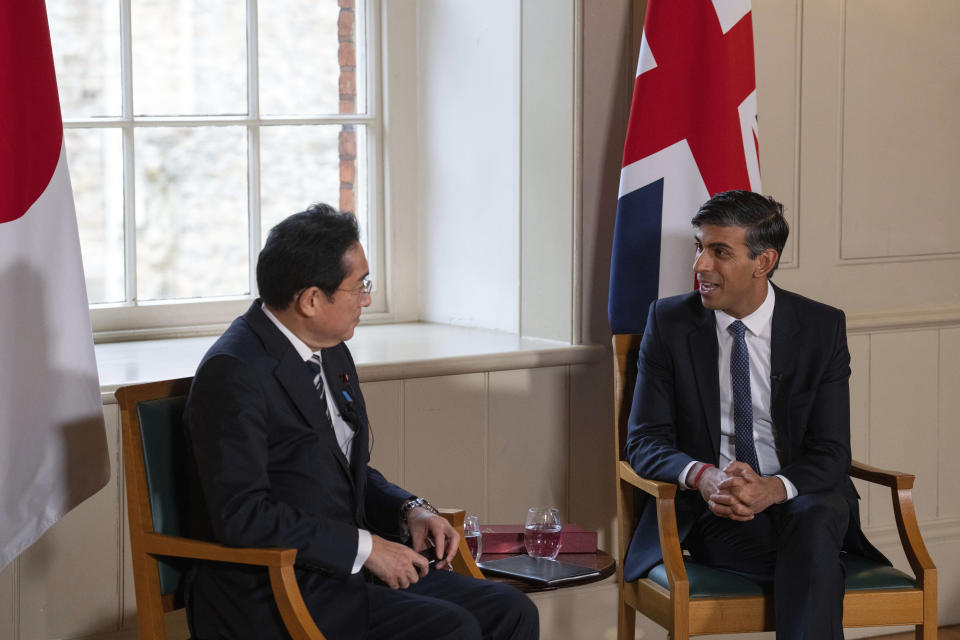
(675, 415)
(269, 473)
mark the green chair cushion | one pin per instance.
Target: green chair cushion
(707, 582)
(164, 454)
(866, 574)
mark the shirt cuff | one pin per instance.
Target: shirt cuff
(791, 489)
(364, 548)
(683, 475)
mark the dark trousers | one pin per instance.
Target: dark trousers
(796, 546)
(235, 603)
(448, 606)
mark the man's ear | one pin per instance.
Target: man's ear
(306, 303)
(765, 262)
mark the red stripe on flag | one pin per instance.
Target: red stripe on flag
(702, 76)
(31, 131)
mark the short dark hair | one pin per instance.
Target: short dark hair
(305, 250)
(760, 215)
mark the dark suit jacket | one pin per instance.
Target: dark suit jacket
(271, 474)
(675, 416)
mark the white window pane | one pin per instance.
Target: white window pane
(312, 57)
(95, 158)
(86, 51)
(300, 165)
(189, 57)
(191, 212)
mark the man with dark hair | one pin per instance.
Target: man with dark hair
(277, 428)
(742, 399)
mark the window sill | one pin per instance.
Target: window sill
(382, 352)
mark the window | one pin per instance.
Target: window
(193, 126)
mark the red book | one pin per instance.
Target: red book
(508, 538)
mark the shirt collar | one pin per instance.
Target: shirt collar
(302, 349)
(757, 321)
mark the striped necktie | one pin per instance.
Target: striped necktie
(317, 368)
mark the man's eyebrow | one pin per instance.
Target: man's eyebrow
(719, 245)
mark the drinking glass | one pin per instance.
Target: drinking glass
(471, 531)
(541, 534)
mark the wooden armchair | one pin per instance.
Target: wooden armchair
(688, 598)
(153, 457)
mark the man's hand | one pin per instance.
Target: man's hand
(428, 528)
(709, 480)
(397, 565)
(744, 494)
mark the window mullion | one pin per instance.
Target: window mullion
(376, 220)
(129, 193)
(253, 140)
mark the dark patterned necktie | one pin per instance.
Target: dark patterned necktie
(744, 446)
(317, 369)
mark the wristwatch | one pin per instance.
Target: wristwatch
(409, 506)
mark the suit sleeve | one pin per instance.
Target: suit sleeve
(227, 419)
(821, 418)
(651, 433)
(382, 505)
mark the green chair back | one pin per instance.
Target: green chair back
(164, 460)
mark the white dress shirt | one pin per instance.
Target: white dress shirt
(757, 336)
(343, 431)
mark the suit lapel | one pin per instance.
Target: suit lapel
(783, 359)
(704, 352)
(346, 395)
(294, 376)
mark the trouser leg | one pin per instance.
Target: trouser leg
(448, 606)
(808, 584)
(796, 545)
(745, 547)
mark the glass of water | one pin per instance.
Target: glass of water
(541, 534)
(471, 531)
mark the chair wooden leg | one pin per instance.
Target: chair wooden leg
(626, 621)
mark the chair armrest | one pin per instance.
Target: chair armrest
(901, 485)
(463, 562)
(665, 494)
(279, 563)
(173, 546)
(892, 479)
(655, 488)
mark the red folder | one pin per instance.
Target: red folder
(508, 538)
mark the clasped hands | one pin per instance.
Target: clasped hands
(737, 492)
(398, 565)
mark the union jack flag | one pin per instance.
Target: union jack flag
(692, 133)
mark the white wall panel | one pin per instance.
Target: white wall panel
(579, 613)
(527, 448)
(948, 443)
(384, 409)
(776, 28)
(904, 416)
(901, 89)
(592, 449)
(445, 429)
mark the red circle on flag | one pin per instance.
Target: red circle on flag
(31, 131)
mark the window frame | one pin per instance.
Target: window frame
(134, 319)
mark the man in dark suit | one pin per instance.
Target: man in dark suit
(742, 399)
(278, 431)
